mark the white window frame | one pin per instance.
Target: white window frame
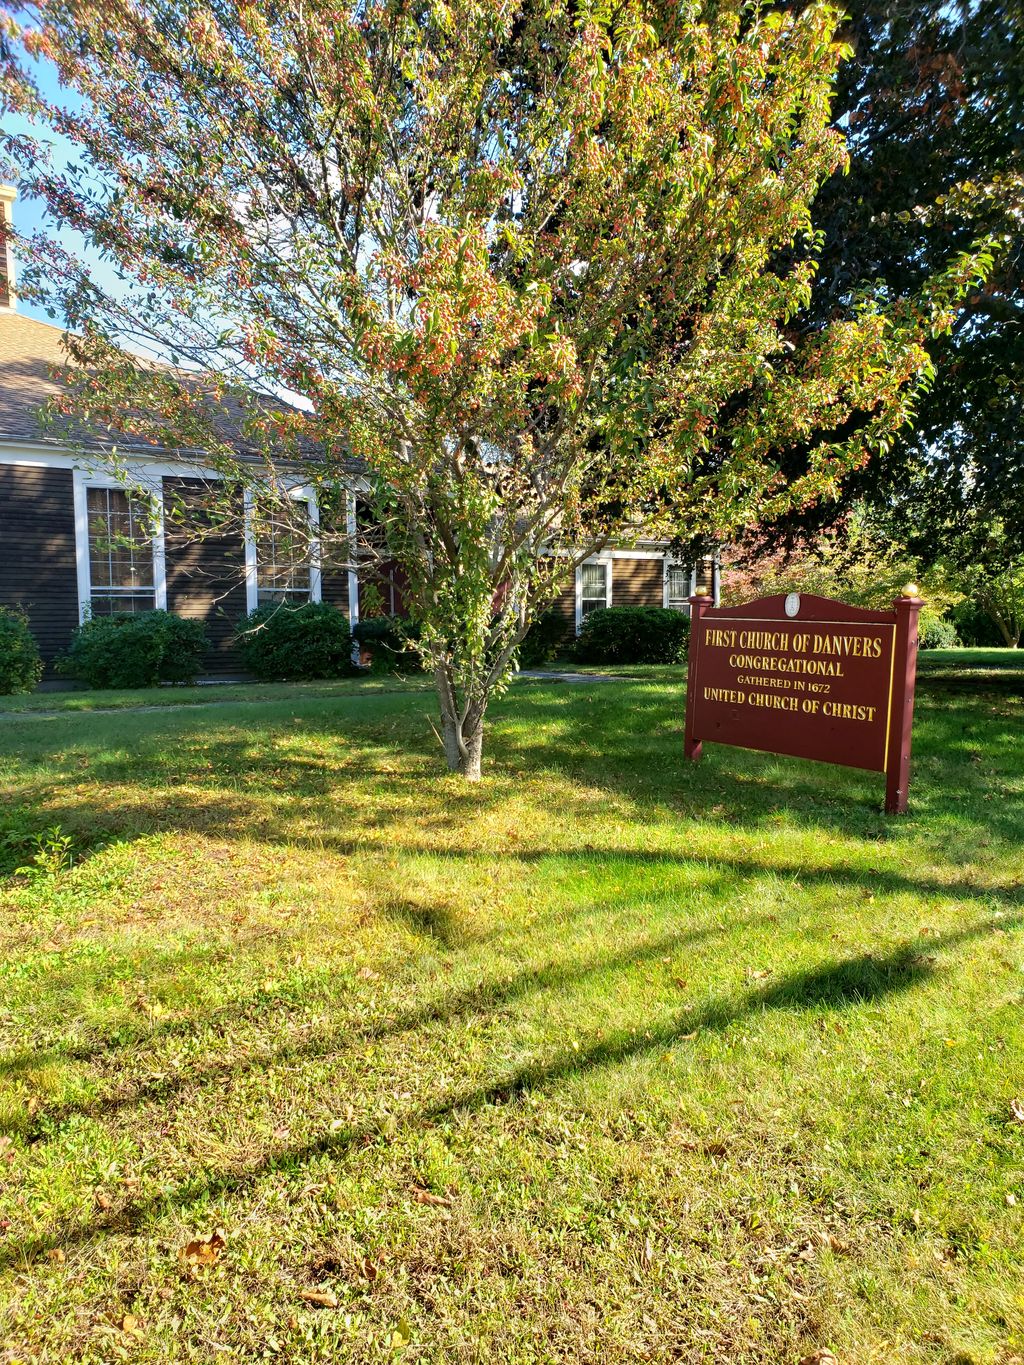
(606, 558)
(301, 493)
(8, 196)
(678, 564)
(353, 573)
(147, 482)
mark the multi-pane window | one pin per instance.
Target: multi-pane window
(593, 587)
(283, 554)
(120, 552)
(678, 584)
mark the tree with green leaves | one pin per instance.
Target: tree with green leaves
(932, 102)
(987, 564)
(853, 562)
(519, 259)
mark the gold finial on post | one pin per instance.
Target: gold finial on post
(701, 592)
(910, 590)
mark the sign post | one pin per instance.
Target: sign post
(698, 606)
(807, 676)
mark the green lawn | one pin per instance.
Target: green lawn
(205, 694)
(610, 1059)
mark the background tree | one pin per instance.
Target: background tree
(856, 563)
(519, 259)
(933, 104)
(987, 564)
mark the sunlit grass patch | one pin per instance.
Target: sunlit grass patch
(608, 1058)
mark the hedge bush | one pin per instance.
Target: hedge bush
(938, 632)
(20, 664)
(633, 635)
(390, 639)
(140, 649)
(281, 643)
(544, 640)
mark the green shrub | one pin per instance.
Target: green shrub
(281, 643)
(390, 640)
(20, 664)
(633, 635)
(938, 632)
(140, 649)
(544, 640)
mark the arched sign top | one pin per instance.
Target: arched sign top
(812, 608)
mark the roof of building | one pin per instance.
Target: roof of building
(30, 351)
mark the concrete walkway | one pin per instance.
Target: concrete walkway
(530, 674)
(545, 675)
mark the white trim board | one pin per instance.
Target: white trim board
(353, 573)
(637, 554)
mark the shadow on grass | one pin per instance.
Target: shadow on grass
(480, 998)
(206, 775)
(352, 794)
(839, 985)
(69, 983)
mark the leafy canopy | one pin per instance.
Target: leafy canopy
(519, 259)
(933, 101)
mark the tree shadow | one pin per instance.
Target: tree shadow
(626, 743)
(481, 998)
(121, 962)
(839, 985)
(640, 755)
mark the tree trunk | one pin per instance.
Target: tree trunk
(464, 748)
(1008, 625)
(1010, 636)
(463, 737)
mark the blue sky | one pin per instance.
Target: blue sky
(30, 213)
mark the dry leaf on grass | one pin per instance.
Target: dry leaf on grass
(204, 1251)
(1017, 1111)
(426, 1197)
(319, 1298)
(822, 1357)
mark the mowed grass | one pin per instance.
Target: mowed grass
(611, 1058)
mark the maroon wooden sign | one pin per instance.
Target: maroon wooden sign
(807, 676)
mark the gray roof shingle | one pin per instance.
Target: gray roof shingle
(29, 351)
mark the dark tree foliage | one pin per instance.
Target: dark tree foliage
(933, 104)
